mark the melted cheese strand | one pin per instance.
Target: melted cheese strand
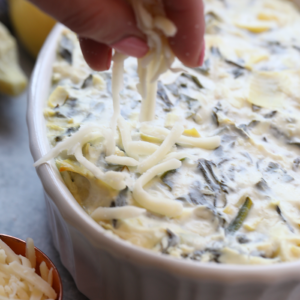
(179, 156)
(110, 213)
(208, 143)
(121, 160)
(163, 206)
(126, 137)
(164, 148)
(133, 149)
(142, 148)
(157, 28)
(148, 103)
(117, 83)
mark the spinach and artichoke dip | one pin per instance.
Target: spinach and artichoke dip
(215, 176)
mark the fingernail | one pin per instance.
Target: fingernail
(131, 46)
(202, 54)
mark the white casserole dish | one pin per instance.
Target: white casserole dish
(107, 268)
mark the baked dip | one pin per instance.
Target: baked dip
(211, 172)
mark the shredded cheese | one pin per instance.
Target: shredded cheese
(123, 212)
(163, 206)
(121, 160)
(11, 255)
(114, 179)
(82, 136)
(164, 148)
(133, 149)
(18, 279)
(208, 143)
(30, 252)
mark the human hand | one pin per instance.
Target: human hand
(103, 25)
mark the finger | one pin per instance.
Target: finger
(109, 22)
(97, 55)
(188, 16)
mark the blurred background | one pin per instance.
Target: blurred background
(23, 29)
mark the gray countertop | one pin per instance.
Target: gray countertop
(22, 205)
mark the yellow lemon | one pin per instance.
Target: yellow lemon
(30, 24)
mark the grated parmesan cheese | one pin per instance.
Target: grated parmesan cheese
(18, 279)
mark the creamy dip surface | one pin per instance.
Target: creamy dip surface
(231, 190)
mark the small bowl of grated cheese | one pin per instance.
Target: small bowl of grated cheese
(26, 272)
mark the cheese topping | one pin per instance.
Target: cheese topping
(216, 163)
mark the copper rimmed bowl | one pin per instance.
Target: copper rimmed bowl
(19, 247)
(108, 268)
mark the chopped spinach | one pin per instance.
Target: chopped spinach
(164, 97)
(66, 49)
(237, 73)
(88, 82)
(165, 177)
(242, 239)
(294, 142)
(272, 167)
(215, 51)
(262, 185)
(275, 47)
(59, 115)
(235, 64)
(255, 108)
(204, 69)
(215, 111)
(287, 178)
(279, 211)
(270, 114)
(121, 198)
(172, 241)
(72, 130)
(214, 183)
(296, 48)
(211, 16)
(196, 197)
(58, 139)
(296, 163)
(193, 79)
(114, 221)
(173, 88)
(247, 155)
(215, 254)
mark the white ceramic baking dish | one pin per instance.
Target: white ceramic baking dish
(107, 268)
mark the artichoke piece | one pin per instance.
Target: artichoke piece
(191, 132)
(150, 139)
(58, 97)
(12, 79)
